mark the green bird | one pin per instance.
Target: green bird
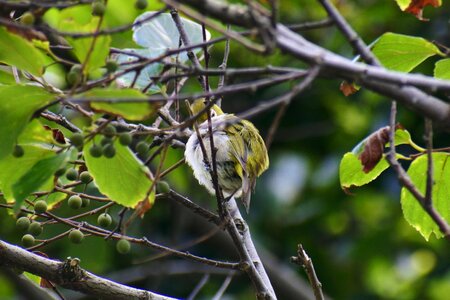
(241, 155)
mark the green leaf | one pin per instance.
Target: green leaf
(17, 105)
(6, 77)
(18, 52)
(135, 111)
(37, 145)
(402, 137)
(403, 4)
(413, 212)
(122, 178)
(82, 47)
(37, 176)
(402, 52)
(351, 172)
(442, 69)
(12, 168)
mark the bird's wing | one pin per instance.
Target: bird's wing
(245, 141)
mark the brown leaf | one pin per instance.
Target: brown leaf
(347, 191)
(46, 284)
(142, 207)
(416, 7)
(374, 148)
(57, 134)
(348, 88)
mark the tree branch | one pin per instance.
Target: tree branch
(305, 261)
(68, 274)
(406, 182)
(392, 84)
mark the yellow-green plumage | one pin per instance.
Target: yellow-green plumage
(241, 153)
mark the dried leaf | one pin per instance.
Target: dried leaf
(348, 88)
(416, 7)
(143, 206)
(374, 148)
(57, 134)
(46, 284)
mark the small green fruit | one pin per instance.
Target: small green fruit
(23, 223)
(109, 131)
(74, 77)
(85, 202)
(162, 187)
(27, 18)
(142, 148)
(98, 8)
(109, 151)
(123, 246)
(125, 138)
(35, 228)
(140, 4)
(60, 172)
(104, 220)
(40, 207)
(111, 66)
(28, 240)
(72, 174)
(76, 68)
(95, 150)
(106, 141)
(18, 151)
(76, 236)
(77, 140)
(85, 177)
(75, 202)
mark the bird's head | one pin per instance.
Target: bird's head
(198, 105)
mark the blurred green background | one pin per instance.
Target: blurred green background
(361, 246)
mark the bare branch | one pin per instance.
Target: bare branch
(430, 180)
(388, 83)
(350, 34)
(70, 275)
(305, 261)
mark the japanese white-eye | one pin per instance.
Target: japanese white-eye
(241, 155)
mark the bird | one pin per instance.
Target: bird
(241, 155)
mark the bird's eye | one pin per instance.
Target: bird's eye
(213, 113)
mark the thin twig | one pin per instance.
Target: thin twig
(284, 101)
(305, 261)
(430, 173)
(223, 287)
(211, 217)
(350, 34)
(311, 25)
(406, 182)
(223, 66)
(186, 41)
(198, 287)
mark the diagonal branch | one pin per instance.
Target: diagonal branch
(392, 84)
(68, 274)
(406, 182)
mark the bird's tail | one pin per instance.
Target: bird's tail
(248, 185)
